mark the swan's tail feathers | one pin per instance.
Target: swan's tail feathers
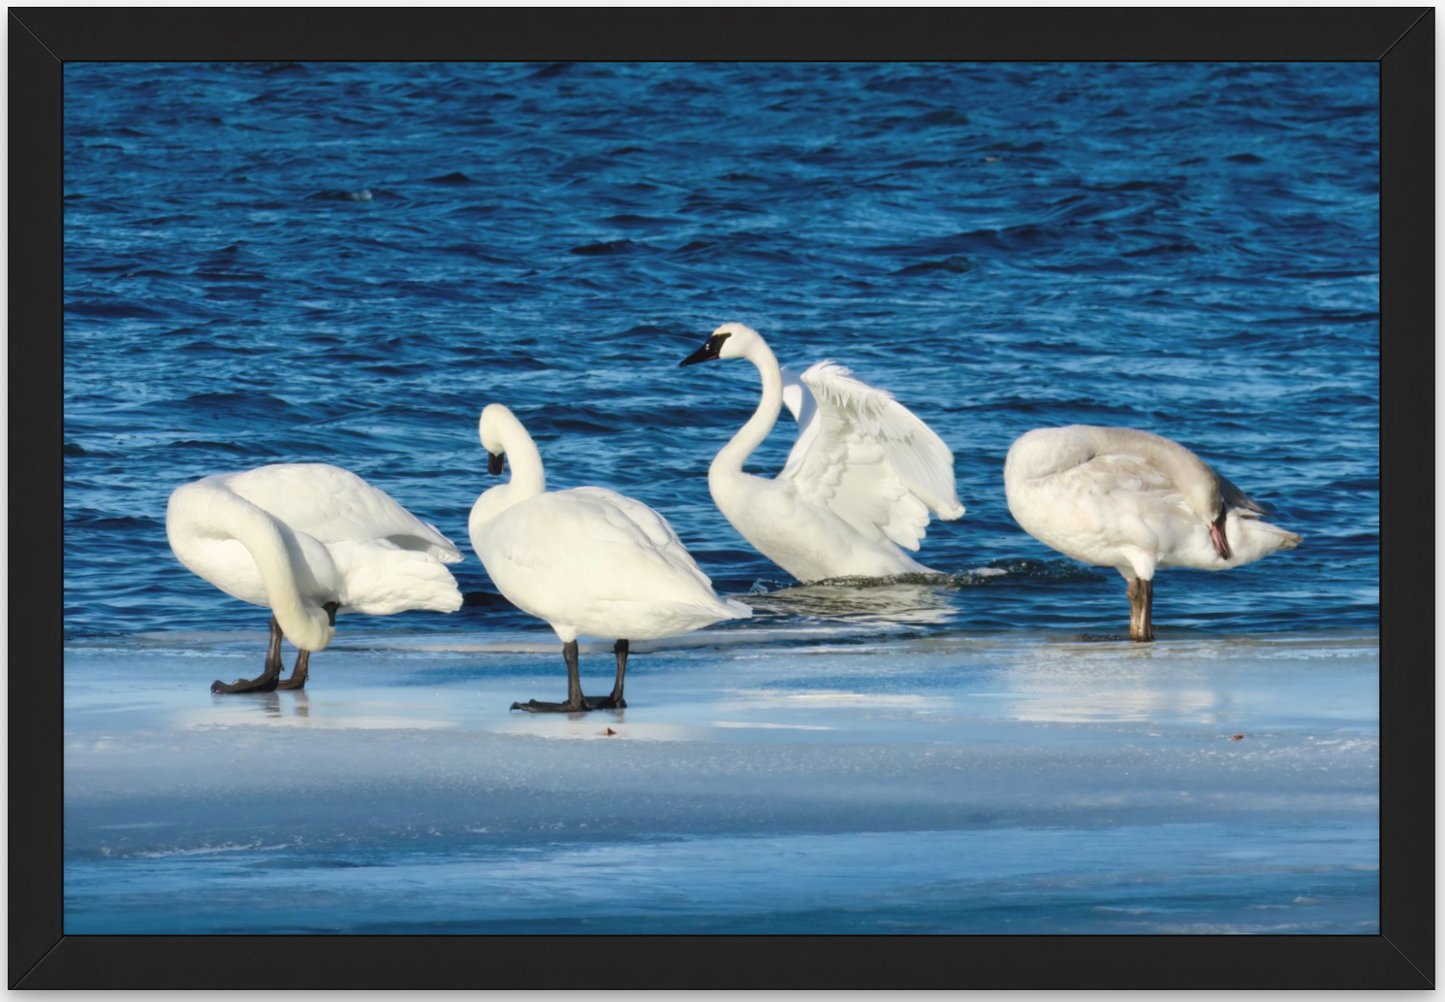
(1261, 537)
(1291, 539)
(448, 554)
(736, 610)
(382, 579)
(716, 611)
(434, 544)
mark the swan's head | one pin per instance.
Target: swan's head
(728, 341)
(495, 422)
(312, 629)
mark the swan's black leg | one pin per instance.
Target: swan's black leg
(1141, 609)
(266, 681)
(575, 701)
(298, 674)
(614, 701)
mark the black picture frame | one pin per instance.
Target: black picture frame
(1402, 955)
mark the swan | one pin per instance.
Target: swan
(859, 483)
(310, 541)
(585, 560)
(1134, 501)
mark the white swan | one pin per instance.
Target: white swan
(859, 483)
(1134, 501)
(308, 540)
(585, 560)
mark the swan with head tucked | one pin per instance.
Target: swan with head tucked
(585, 560)
(310, 541)
(859, 485)
(1134, 501)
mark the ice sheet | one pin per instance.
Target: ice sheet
(831, 781)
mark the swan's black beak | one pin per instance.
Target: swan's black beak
(494, 463)
(710, 350)
(331, 608)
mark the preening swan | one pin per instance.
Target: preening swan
(585, 560)
(310, 541)
(859, 483)
(1134, 501)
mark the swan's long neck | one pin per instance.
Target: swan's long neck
(729, 461)
(220, 513)
(527, 480)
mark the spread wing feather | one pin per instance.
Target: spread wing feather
(867, 457)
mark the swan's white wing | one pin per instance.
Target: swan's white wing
(656, 529)
(1103, 507)
(1202, 487)
(798, 398)
(589, 552)
(333, 505)
(381, 578)
(1120, 479)
(868, 458)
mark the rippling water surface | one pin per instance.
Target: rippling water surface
(269, 263)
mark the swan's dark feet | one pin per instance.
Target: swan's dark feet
(614, 701)
(262, 683)
(298, 674)
(576, 702)
(533, 706)
(268, 679)
(604, 702)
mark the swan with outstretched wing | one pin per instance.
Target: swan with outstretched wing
(860, 485)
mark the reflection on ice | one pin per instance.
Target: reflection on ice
(292, 708)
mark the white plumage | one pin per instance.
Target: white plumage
(862, 480)
(587, 560)
(302, 537)
(1134, 501)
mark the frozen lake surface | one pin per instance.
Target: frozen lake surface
(804, 779)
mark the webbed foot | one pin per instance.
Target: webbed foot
(533, 706)
(604, 702)
(267, 680)
(298, 674)
(262, 683)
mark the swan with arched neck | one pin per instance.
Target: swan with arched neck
(587, 561)
(861, 482)
(309, 541)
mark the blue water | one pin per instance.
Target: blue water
(269, 263)
(337, 263)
